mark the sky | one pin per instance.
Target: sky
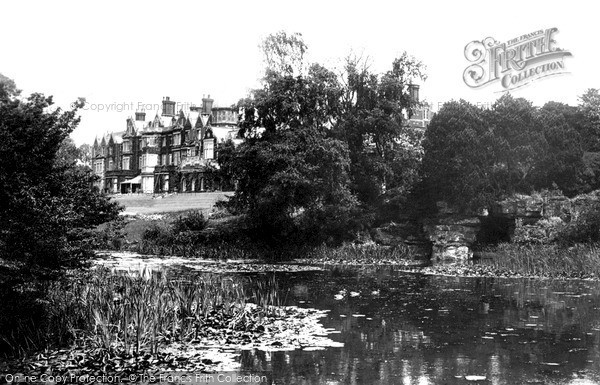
(121, 55)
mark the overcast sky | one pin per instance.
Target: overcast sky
(121, 54)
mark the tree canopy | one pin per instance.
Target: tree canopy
(323, 149)
(474, 156)
(46, 201)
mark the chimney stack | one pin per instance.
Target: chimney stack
(168, 107)
(413, 90)
(207, 104)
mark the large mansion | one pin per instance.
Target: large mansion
(165, 150)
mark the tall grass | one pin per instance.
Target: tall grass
(578, 261)
(128, 312)
(267, 295)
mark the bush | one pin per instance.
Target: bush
(545, 231)
(191, 221)
(584, 228)
(157, 239)
(110, 236)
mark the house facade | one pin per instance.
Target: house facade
(165, 150)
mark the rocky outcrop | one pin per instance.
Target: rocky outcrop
(452, 236)
(406, 234)
(531, 208)
(449, 236)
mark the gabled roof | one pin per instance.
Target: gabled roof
(117, 137)
(131, 128)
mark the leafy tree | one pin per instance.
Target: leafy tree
(385, 151)
(589, 106)
(295, 183)
(47, 204)
(284, 53)
(459, 161)
(519, 143)
(474, 157)
(291, 173)
(562, 163)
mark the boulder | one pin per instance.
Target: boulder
(452, 236)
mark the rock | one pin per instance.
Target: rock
(519, 206)
(451, 253)
(452, 237)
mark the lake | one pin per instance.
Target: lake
(410, 328)
(400, 328)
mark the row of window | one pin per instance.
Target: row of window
(173, 158)
(145, 142)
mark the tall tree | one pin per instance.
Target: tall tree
(459, 158)
(519, 143)
(589, 105)
(385, 150)
(46, 203)
(291, 173)
(284, 53)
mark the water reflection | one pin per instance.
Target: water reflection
(415, 329)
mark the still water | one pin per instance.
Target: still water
(400, 328)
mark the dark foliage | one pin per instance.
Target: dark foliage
(190, 221)
(47, 203)
(583, 229)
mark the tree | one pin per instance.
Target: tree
(459, 161)
(474, 157)
(284, 53)
(291, 173)
(385, 151)
(519, 143)
(589, 105)
(47, 204)
(562, 163)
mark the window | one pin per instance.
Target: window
(143, 161)
(176, 157)
(111, 165)
(140, 162)
(209, 149)
(99, 167)
(163, 159)
(176, 139)
(126, 146)
(125, 163)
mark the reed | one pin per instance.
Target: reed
(140, 310)
(577, 261)
(266, 293)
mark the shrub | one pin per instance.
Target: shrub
(191, 221)
(543, 232)
(111, 235)
(584, 228)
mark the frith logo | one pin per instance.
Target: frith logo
(515, 63)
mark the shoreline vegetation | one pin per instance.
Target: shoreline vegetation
(162, 236)
(104, 322)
